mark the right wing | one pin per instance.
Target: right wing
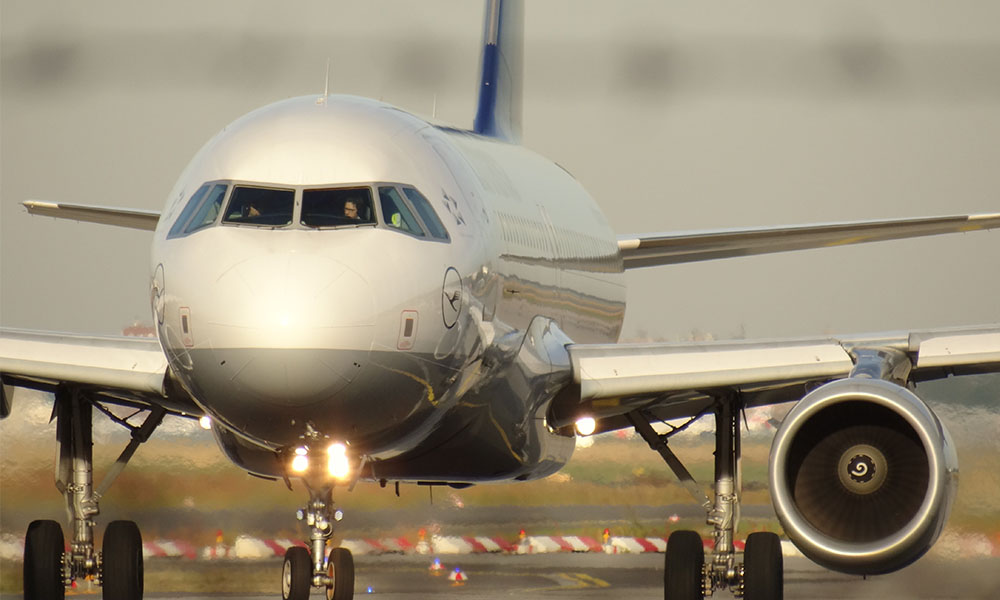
(121, 217)
(651, 249)
(123, 370)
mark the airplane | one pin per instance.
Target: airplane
(349, 292)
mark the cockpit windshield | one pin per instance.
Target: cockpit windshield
(263, 207)
(335, 207)
(399, 208)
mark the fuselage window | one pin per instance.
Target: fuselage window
(260, 207)
(426, 213)
(396, 213)
(333, 208)
(209, 209)
(192, 204)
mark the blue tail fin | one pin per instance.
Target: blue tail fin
(498, 113)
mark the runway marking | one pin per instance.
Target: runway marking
(572, 581)
(594, 580)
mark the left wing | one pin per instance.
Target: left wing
(681, 380)
(647, 250)
(121, 217)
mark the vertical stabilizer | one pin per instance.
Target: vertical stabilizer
(498, 113)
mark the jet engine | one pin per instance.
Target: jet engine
(862, 476)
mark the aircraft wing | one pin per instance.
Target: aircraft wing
(647, 250)
(121, 217)
(678, 380)
(123, 370)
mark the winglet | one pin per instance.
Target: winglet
(498, 113)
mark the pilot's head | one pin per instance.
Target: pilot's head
(351, 209)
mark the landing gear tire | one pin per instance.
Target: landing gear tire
(341, 573)
(296, 575)
(682, 578)
(122, 561)
(763, 568)
(43, 564)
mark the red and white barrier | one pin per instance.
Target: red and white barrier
(441, 544)
(951, 545)
(169, 549)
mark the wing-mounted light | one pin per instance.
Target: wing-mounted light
(862, 472)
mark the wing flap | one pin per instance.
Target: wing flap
(120, 217)
(134, 364)
(653, 249)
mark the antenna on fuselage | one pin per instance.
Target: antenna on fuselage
(326, 84)
(434, 107)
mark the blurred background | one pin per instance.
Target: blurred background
(675, 115)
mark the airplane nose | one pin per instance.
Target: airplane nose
(291, 329)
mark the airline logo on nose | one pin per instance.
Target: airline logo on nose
(451, 297)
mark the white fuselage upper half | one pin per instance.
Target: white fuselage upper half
(335, 267)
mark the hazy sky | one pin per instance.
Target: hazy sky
(674, 115)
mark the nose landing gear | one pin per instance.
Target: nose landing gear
(304, 568)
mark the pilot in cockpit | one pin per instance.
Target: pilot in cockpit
(351, 210)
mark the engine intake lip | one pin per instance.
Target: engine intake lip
(902, 545)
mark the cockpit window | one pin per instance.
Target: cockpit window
(396, 213)
(185, 216)
(426, 213)
(333, 208)
(209, 209)
(262, 207)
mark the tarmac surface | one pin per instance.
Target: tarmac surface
(558, 576)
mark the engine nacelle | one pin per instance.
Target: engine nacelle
(862, 476)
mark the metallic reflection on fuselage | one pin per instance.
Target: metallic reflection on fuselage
(288, 333)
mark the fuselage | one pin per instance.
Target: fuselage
(333, 268)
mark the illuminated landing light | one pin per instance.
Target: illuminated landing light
(337, 463)
(205, 422)
(586, 425)
(300, 463)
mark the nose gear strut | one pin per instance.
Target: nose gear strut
(304, 568)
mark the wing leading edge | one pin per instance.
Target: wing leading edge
(679, 380)
(647, 250)
(124, 363)
(124, 370)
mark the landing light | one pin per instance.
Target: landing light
(300, 463)
(337, 463)
(205, 422)
(586, 425)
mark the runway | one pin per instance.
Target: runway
(592, 576)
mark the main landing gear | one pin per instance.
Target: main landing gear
(688, 573)
(304, 568)
(48, 569)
